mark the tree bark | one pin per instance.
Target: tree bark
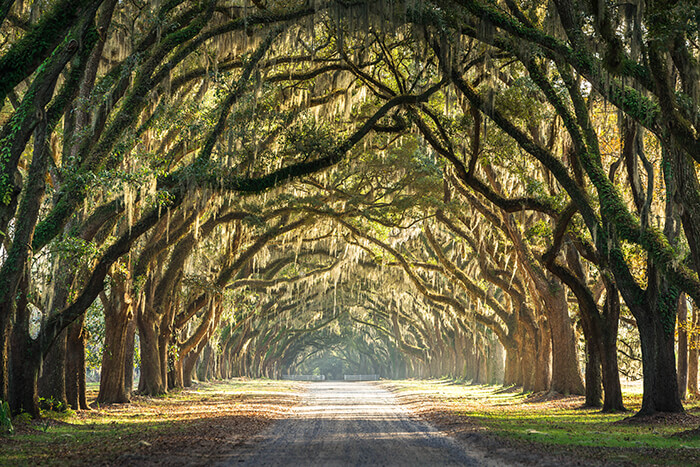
(25, 361)
(612, 401)
(52, 382)
(600, 331)
(189, 364)
(566, 376)
(24, 352)
(594, 387)
(204, 365)
(510, 377)
(594, 377)
(175, 376)
(527, 364)
(498, 365)
(658, 352)
(543, 368)
(129, 357)
(5, 339)
(117, 314)
(164, 354)
(151, 381)
(682, 346)
(75, 365)
(694, 342)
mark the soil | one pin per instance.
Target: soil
(215, 428)
(188, 429)
(329, 423)
(354, 423)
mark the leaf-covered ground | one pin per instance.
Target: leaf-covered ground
(197, 426)
(206, 424)
(552, 430)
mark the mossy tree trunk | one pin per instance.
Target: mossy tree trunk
(75, 365)
(52, 382)
(118, 314)
(694, 343)
(682, 346)
(655, 312)
(23, 391)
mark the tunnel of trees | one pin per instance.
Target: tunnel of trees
(503, 191)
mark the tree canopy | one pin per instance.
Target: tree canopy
(490, 189)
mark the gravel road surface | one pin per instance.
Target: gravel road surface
(353, 423)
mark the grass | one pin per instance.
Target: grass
(211, 416)
(207, 421)
(562, 423)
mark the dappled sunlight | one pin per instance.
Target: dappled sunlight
(559, 421)
(353, 423)
(207, 418)
(301, 229)
(204, 400)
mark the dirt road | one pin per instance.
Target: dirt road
(341, 423)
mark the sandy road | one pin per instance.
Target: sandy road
(341, 423)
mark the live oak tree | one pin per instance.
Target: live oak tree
(244, 182)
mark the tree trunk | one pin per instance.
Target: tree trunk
(75, 365)
(497, 376)
(566, 376)
(129, 357)
(5, 338)
(204, 364)
(527, 365)
(483, 377)
(164, 354)
(594, 378)
(510, 376)
(25, 360)
(693, 355)
(543, 368)
(599, 329)
(592, 338)
(190, 361)
(25, 353)
(211, 362)
(658, 360)
(196, 341)
(112, 378)
(175, 376)
(607, 330)
(682, 346)
(52, 382)
(151, 381)
(511, 367)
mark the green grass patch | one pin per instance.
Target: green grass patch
(562, 423)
